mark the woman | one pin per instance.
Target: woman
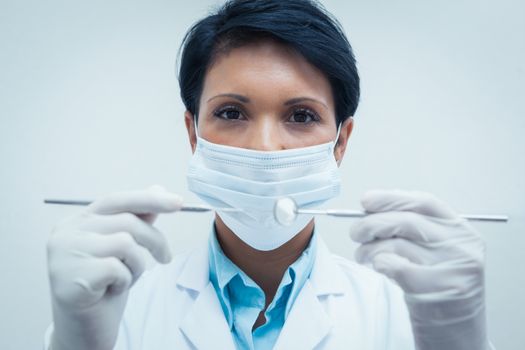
(270, 88)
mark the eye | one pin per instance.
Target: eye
(303, 116)
(228, 113)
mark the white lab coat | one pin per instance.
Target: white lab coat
(341, 306)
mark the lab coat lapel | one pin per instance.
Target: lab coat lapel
(308, 323)
(204, 325)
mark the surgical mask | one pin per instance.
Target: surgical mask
(233, 177)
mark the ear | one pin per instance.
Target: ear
(344, 135)
(190, 127)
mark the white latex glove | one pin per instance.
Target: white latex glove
(436, 257)
(93, 259)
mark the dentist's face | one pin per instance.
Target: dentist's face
(264, 96)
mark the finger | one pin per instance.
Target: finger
(143, 233)
(408, 225)
(150, 201)
(120, 245)
(104, 274)
(366, 253)
(150, 218)
(396, 200)
(411, 277)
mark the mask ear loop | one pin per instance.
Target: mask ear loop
(338, 134)
(337, 140)
(195, 126)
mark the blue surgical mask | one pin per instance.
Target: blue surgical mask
(233, 177)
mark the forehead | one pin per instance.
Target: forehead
(265, 64)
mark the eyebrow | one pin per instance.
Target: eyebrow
(241, 98)
(245, 99)
(302, 99)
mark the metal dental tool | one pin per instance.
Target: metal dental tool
(286, 211)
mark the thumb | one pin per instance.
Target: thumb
(399, 269)
(389, 264)
(411, 277)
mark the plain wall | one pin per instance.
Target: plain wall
(89, 104)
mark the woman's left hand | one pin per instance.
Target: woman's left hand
(436, 257)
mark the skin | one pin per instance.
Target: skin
(264, 96)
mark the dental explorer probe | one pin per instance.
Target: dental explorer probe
(286, 211)
(197, 208)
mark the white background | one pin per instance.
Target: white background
(89, 104)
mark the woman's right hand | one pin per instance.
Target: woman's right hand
(94, 257)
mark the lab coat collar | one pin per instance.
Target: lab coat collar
(307, 319)
(195, 274)
(326, 277)
(204, 325)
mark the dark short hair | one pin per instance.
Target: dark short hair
(303, 25)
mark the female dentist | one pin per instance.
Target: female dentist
(270, 87)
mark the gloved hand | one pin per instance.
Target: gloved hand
(436, 257)
(94, 258)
